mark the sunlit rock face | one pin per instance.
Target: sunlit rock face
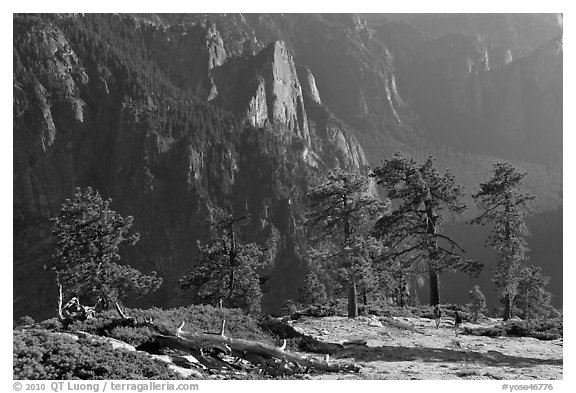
(168, 135)
(266, 88)
(171, 115)
(283, 91)
(309, 88)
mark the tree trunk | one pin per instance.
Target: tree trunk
(434, 277)
(509, 261)
(231, 287)
(255, 351)
(352, 302)
(60, 315)
(232, 257)
(526, 304)
(434, 287)
(507, 307)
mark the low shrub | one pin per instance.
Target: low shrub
(26, 321)
(198, 318)
(496, 331)
(318, 311)
(278, 327)
(422, 311)
(41, 354)
(206, 318)
(51, 324)
(448, 311)
(399, 312)
(46, 350)
(542, 329)
(337, 307)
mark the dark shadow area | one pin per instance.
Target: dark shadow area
(395, 353)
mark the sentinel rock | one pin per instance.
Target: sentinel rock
(284, 98)
(269, 91)
(265, 90)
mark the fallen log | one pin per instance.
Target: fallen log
(307, 343)
(240, 348)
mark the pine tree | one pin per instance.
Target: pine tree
(477, 302)
(504, 206)
(312, 291)
(395, 279)
(532, 297)
(210, 279)
(86, 260)
(289, 308)
(413, 230)
(226, 269)
(341, 205)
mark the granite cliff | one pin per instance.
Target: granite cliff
(166, 139)
(171, 115)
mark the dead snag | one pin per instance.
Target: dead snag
(73, 310)
(119, 311)
(60, 315)
(268, 358)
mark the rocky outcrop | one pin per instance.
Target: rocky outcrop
(457, 63)
(309, 88)
(466, 101)
(283, 91)
(188, 54)
(269, 90)
(48, 80)
(505, 37)
(59, 78)
(162, 157)
(525, 98)
(333, 142)
(216, 56)
(172, 117)
(265, 89)
(257, 111)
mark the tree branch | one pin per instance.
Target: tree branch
(454, 244)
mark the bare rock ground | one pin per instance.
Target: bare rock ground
(412, 348)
